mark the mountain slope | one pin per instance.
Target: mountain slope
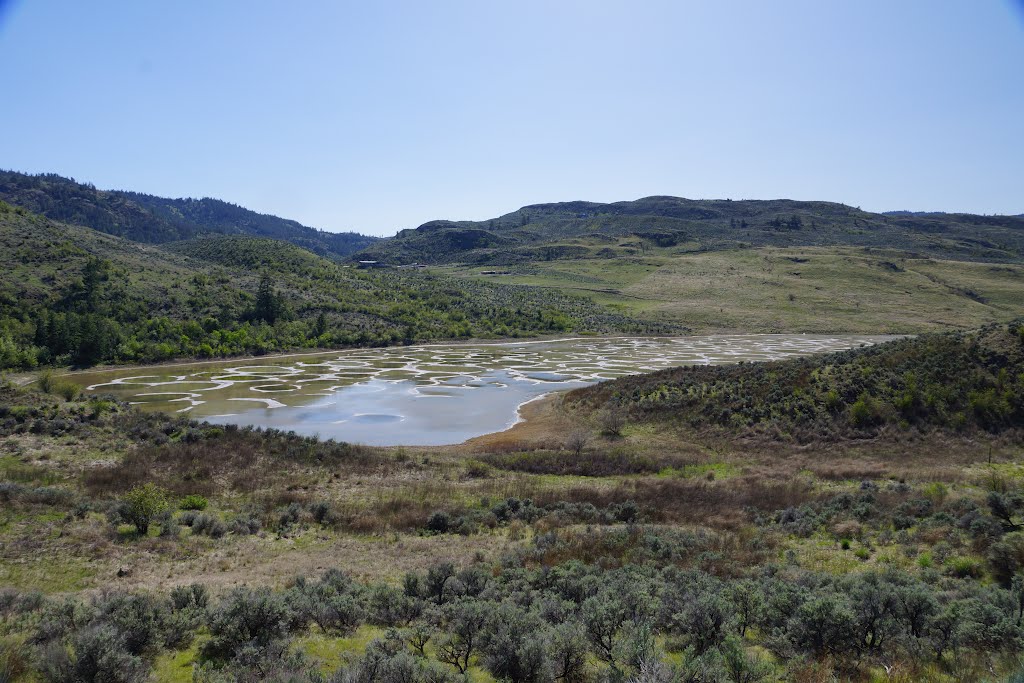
(70, 294)
(145, 218)
(593, 230)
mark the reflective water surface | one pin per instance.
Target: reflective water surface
(424, 395)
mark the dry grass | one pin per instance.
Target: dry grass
(237, 461)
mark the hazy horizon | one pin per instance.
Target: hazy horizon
(380, 118)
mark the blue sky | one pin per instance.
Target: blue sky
(377, 116)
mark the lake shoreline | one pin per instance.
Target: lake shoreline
(434, 395)
(185, 361)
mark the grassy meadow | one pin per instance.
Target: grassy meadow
(806, 289)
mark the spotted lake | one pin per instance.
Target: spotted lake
(424, 395)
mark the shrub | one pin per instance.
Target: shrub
(143, 621)
(334, 603)
(387, 661)
(866, 411)
(193, 502)
(141, 505)
(439, 523)
(823, 625)
(289, 517)
(246, 525)
(322, 513)
(14, 661)
(436, 584)
(465, 620)
(98, 653)
(169, 527)
(209, 525)
(964, 567)
(704, 621)
(188, 518)
(393, 607)
(1006, 557)
(51, 384)
(68, 390)
(513, 645)
(273, 663)
(246, 617)
(577, 441)
(192, 597)
(613, 419)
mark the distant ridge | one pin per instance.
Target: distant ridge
(580, 229)
(147, 218)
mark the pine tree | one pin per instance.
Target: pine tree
(268, 305)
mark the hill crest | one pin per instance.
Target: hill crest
(148, 218)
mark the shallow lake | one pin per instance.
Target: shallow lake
(424, 395)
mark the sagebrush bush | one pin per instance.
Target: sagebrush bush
(209, 525)
(246, 618)
(96, 653)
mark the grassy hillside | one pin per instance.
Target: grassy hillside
(962, 381)
(547, 231)
(145, 218)
(70, 294)
(784, 290)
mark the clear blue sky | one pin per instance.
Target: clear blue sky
(376, 116)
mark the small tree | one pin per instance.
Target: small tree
(612, 421)
(465, 621)
(142, 504)
(577, 441)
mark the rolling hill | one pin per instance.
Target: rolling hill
(146, 218)
(658, 264)
(573, 230)
(71, 294)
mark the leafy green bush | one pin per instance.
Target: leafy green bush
(964, 567)
(193, 502)
(866, 411)
(141, 505)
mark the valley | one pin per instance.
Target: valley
(738, 441)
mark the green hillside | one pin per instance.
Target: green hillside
(591, 230)
(962, 381)
(787, 289)
(145, 218)
(70, 294)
